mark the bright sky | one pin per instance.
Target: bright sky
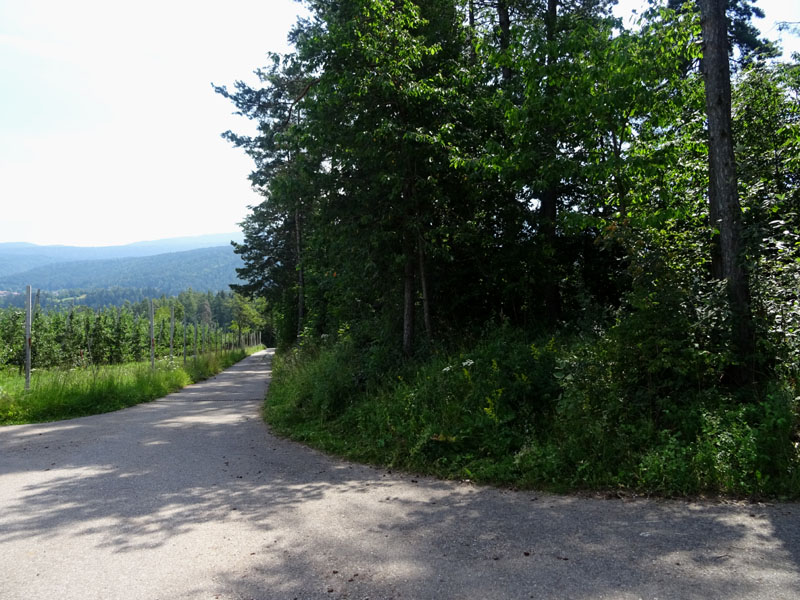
(109, 127)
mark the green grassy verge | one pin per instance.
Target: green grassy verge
(66, 394)
(568, 416)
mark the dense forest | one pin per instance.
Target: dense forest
(516, 241)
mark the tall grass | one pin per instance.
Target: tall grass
(65, 394)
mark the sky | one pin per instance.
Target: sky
(109, 126)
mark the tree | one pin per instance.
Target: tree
(724, 207)
(383, 93)
(272, 249)
(246, 316)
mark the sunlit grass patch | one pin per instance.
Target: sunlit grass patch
(58, 394)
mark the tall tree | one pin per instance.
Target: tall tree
(386, 72)
(724, 208)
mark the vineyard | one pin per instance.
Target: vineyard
(185, 326)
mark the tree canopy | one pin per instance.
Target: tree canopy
(430, 166)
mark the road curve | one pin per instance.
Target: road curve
(192, 497)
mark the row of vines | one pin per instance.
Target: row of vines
(80, 336)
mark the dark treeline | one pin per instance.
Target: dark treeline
(70, 333)
(193, 303)
(91, 298)
(439, 173)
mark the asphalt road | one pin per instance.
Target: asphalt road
(191, 497)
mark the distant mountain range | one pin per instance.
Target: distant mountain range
(18, 257)
(203, 263)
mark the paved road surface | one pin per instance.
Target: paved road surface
(191, 497)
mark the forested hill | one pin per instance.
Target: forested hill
(21, 257)
(206, 269)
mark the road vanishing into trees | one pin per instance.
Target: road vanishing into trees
(192, 497)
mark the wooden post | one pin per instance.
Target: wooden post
(184, 340)
(171, 328)
(195, 340)
(28, 338)
(152, 338)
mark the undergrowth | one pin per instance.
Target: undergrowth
(559, 414)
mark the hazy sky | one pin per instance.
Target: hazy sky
(109, 127)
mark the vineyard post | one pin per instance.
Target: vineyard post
(152, 338)
(184, 339)
(171, 328)
(28, 338)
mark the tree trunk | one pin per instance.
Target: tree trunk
(408, 304)
(504, 21)
(423, 279)
(724, 208)
(300, 274)
(549, 199)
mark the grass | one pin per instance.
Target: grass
(60, 394)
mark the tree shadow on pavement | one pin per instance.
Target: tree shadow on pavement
(483, 543)
(283, 521)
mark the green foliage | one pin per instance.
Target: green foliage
(487, 400)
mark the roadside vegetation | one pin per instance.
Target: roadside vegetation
(524, 243)
(564, 414)
(57, 394)
(92, 360)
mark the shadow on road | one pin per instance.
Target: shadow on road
(314, 527)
